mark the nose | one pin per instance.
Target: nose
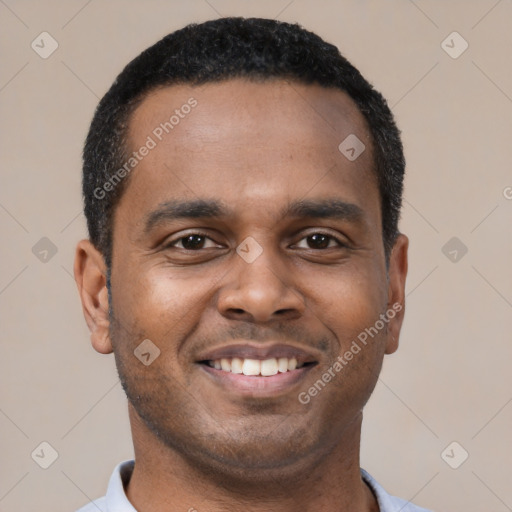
(260, 291)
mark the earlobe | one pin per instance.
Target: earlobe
(396, 291)
(90, 276)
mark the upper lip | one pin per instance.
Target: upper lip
(260, 351)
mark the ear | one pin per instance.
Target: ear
(396, 290)
(91, 279)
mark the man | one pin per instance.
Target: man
(242, 187)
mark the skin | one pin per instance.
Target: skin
(257, 148)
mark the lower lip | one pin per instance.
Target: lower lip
(257, 385)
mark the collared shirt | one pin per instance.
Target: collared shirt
(116, 501)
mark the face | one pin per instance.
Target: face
(245, 242)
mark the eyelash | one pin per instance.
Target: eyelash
(194, 233)
(172, 243)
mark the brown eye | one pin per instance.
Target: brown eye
(319, 241)
(193, 242)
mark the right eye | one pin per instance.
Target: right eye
(192, 242)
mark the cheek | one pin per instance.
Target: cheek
(349, 301)
(352, 313)
(143, 294)
(161, 304)
(175, 294)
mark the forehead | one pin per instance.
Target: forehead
(254, 108)
(248, 143)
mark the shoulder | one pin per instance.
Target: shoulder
(401, 505)
(115, 499)
(388, 503)
(95, 506)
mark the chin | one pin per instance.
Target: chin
(235, 459)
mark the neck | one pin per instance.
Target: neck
(164, 480)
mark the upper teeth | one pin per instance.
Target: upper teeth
(265, 368)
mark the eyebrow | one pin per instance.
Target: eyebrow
(194, 209)
(213, 209)
(324, 209)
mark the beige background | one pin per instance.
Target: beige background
(450, 380)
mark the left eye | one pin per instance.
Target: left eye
(319, 241)
(193, 242)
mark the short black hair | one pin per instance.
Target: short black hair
(223, 49)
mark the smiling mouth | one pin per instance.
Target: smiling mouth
(256, 367)
(258, 370)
